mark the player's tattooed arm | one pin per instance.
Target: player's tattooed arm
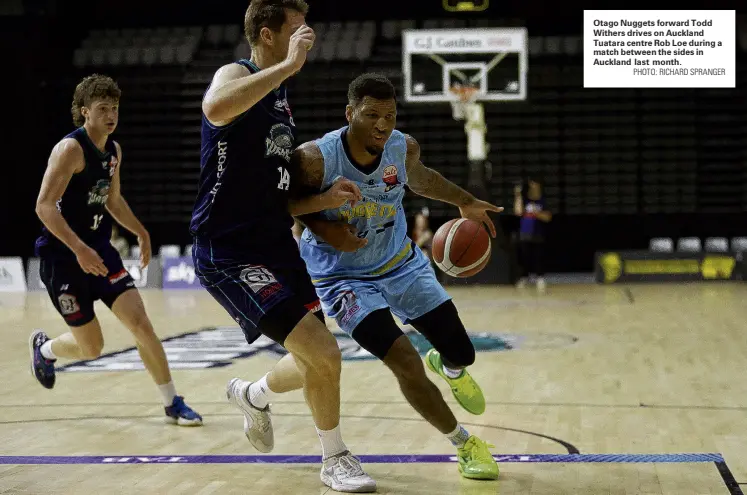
(431, 184)
(428, 182)
(307, 170)
(307, 165)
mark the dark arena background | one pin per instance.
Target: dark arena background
(611, 354)
(620, 166)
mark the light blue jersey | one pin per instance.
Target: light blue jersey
(379, 217)
(390, 271)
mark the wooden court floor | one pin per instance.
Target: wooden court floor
(641, 375)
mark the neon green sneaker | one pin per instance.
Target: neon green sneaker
(465, 389)
(475, 460)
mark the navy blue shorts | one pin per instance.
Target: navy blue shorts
(263, 296)
(74, 291)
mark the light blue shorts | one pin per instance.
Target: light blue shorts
(409, 291)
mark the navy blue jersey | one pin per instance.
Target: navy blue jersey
(242, 198)
(83, 204)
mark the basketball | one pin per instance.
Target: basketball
(461, 247)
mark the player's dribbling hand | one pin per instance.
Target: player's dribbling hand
(478, 211)
(300, 43)
(342, 191)
(143, 240)
(90, 261)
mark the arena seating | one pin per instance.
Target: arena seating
(648, 151)
(696, 245)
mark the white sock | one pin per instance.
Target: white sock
(452, 373)
(46, 350)
(168, 392)
(332, 443)
(259, 393)
(458, 437)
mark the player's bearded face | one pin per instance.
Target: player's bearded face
(373, 122)
(102, 115)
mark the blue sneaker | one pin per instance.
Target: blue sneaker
(41, 368)
(179, 413)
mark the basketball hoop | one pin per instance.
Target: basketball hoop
(464, 96)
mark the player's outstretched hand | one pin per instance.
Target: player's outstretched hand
(478, 211)
(143, 240)
(342, 191)
(90, 261)
(300, 43)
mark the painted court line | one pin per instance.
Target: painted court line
(372, 459)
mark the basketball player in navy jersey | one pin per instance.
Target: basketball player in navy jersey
(243, 249)
(362, 278)
(78, 263)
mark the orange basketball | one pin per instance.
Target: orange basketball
(461, 247)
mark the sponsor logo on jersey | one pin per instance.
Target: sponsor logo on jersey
(390, 177)
(99, 193)
(217, 347)
(113, 163)
(367, 209)
(260, 281)
(282, 106)
(68, 304)
(279, 142)
(346, 306)
(222, 157)
(121, 274)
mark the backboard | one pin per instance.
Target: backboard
(494, 60)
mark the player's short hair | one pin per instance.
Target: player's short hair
(92, 88)
(269, 13)
(370, 84)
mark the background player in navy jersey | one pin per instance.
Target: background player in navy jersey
(243, 249)
(361, 277)
(78, 263)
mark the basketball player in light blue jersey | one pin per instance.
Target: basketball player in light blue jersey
(366, 266)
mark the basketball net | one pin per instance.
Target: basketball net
(465, 107)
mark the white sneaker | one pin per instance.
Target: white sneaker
(522, 283)
(257, 422)
(541, 285)
(343, 473)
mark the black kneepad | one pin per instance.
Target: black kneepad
(444, 330)
(460, 353)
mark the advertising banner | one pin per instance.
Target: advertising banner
(12, 278)
(647, 266)
(148, 277)
(179, 273)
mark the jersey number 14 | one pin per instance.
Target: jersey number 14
(285, 179)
